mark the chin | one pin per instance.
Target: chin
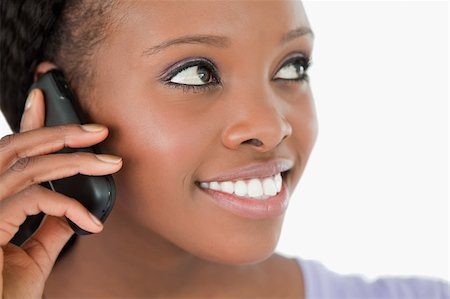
(238, 252)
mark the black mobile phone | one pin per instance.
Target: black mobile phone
(96, 193)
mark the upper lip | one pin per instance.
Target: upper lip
(260, 170)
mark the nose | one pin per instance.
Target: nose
(258, 123)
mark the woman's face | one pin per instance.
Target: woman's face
(172, 136)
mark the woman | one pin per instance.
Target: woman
(200, 100)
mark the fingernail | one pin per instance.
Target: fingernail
(109, 158)
(95, 219)
(30, 99)
(93, 127)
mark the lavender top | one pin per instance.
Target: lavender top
(321, 283)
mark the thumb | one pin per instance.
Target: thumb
(34, 113)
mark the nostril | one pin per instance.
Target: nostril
(254, 141)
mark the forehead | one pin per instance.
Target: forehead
(236, 19)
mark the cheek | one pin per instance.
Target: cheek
(303, 120)
(161, 149)
(163, 146)
(305, 128)
(156, 186)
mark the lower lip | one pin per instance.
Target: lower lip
(274, 206)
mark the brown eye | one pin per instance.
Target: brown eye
(294, 69)
(204, 74)
(194, 75)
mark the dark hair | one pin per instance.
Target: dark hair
(64, 32)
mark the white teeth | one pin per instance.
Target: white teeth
(278, 182)
(240, 188)
(227, 187)
(269, 187)
(256, 188)
(214, 186)
(204, 185)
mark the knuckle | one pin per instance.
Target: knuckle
(78, 161)
(31, 191)
(66, 129)
(6, 140)
(21, 164)
(81, 156)
(36, 243)
(62, 132)
(33, 181)
(6, 146)
(71, 206)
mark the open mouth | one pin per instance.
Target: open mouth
(256, 188)
(271, 203)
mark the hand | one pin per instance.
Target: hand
(25, 161)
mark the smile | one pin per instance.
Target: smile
(254, 191)
(256, 188)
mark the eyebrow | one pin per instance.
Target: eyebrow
(220, 41)
(296, 33)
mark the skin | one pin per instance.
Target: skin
(165, 237)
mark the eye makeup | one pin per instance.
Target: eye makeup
(200, 62)
(298, 60)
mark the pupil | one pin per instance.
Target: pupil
(299, 69)
(203, 74)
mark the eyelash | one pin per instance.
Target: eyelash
(304, 61)
(201, 62)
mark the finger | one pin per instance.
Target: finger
(36, 199)
(34, 113)
(46, 244)
(35, 170)
(47, 140)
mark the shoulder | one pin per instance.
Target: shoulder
(320, 282)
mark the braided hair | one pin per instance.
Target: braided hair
(65, 32)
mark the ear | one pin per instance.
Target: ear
(42, 68)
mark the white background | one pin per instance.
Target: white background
(374, 197)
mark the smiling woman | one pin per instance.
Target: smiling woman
(209, 106)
